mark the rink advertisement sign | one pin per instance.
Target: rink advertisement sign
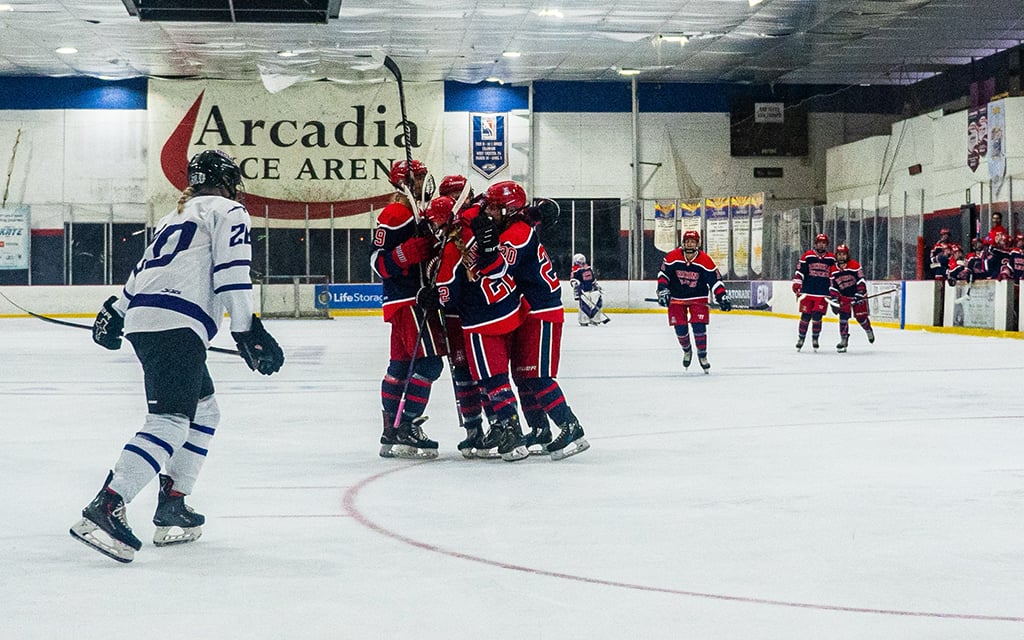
(349, 296)
(749, 294)
(975, 305)
(14, 237)
(488, 143)
(885, 301)
(326, 145)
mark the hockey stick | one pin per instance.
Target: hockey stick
(79, 325)
(10, 168)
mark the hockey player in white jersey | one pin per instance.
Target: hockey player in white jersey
(196, 267)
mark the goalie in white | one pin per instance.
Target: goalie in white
(587, 292)
(196, 267)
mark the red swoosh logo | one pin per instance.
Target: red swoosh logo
(174, 163)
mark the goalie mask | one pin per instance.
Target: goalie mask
(214, 169)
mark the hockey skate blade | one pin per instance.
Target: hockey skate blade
(412, 453)
(168, 536)
(519, 453)
(571, 449)
(84, 531)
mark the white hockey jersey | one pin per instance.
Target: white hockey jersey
(196, 267)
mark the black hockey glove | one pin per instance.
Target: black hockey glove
(108, 327)
(859, 298)
(723, 302)
(663, 297)
(259, 350)
(486, 232)
(428, 298)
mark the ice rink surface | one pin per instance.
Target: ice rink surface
(873, 494)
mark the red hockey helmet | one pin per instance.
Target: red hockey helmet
(821, 237)
(944, 232)
(439, 211)
(842, 247)
(452, 186)
(400, 171)
(507, 194)
(691, 235)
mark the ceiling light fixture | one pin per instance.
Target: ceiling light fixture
(6, 7)
(550, 13)
(682, 40)
(629, 72)
(287, 54)
(66, 50)
(754, 3)
(511, 54)
(493, 79)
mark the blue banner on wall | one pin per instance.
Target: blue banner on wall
(488, 143)
(349, 296)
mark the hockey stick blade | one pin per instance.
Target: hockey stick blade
(79, 325)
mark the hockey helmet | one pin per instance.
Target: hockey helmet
(821, 237)
(439, 211)
(944, 232)
(506, 194)
(214, 168)
(691, 235)
(400, 172)
(579, 259)
(842, 247)
(452, 186)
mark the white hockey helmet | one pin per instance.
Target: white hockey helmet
(579, 259)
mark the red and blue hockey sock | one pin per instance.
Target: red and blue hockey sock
(683, 336)
(805, 319)
(844, 326)
(392, 385)
(468, 397)
(533, 413)
(549, 394)
(499, 393)
(700, 339)
(816, 326)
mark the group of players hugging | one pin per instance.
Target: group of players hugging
(467, 278)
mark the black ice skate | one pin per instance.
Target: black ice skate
(687, 359)
(704, 364)
(106, 513)
(843, 341)
(477, 444)
(176, 522)
(871, 335)
(814, 342)
(538, 439)
(413, 441)
(799, 343)
(389, 447)
(569, 442)
(511, 446)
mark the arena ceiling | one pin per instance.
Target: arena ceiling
(743, 41)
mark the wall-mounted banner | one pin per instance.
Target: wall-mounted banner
(316, 143)
(977, 136)
(348, 296)
(741, 210)
(690, 217)
(14, 237)
(717, 241)
(757, 234)
(996, 145)
(665, 226)
(488, 143)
